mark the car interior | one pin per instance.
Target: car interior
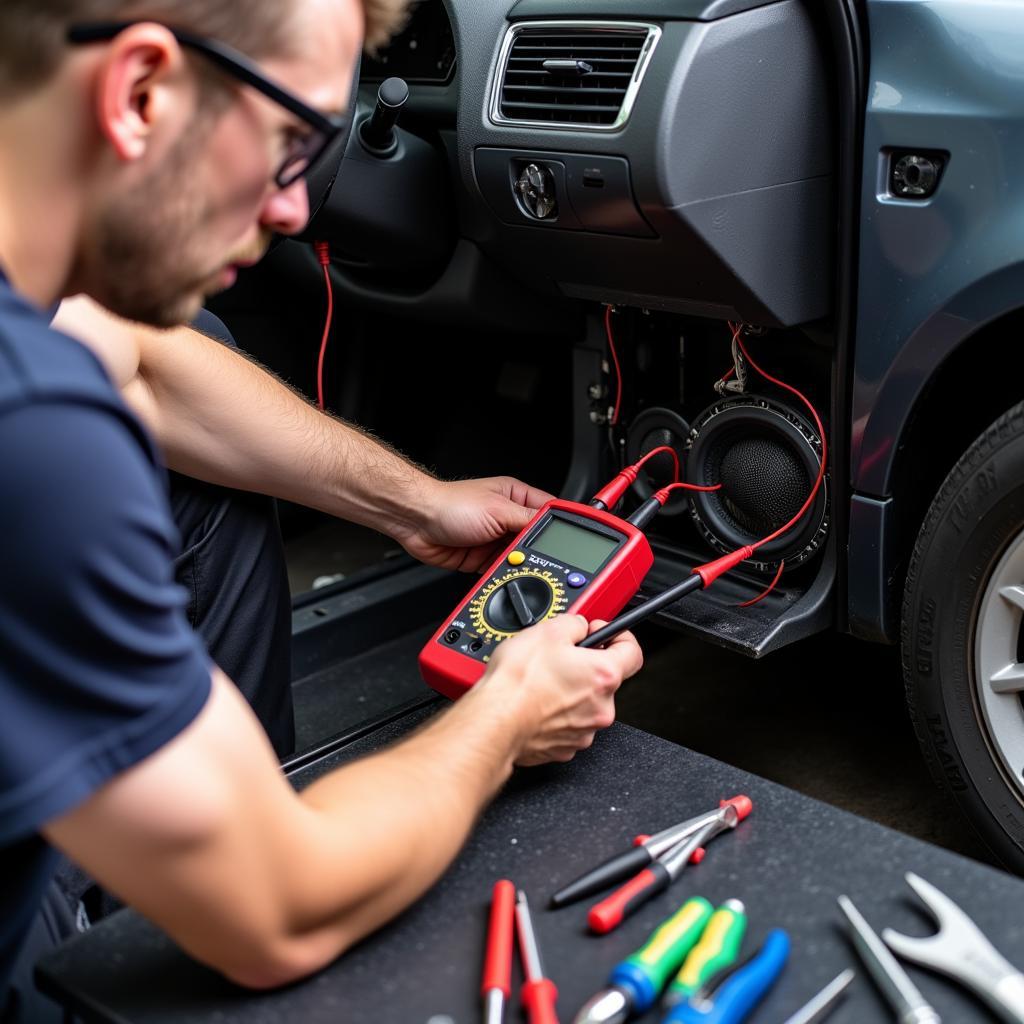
(540, 243)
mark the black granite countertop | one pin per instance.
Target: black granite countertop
(787, 862)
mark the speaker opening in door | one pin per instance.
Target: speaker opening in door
(766, 456)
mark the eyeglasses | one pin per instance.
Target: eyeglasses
(303, 153)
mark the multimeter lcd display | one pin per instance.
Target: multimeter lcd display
(567, 542)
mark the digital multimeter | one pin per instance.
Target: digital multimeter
(571, 557)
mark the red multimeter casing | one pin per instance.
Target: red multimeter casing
(570, 558)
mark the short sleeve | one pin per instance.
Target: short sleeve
(98, 665)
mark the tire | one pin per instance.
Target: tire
(963, 624)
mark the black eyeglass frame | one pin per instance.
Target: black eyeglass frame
(244, 70)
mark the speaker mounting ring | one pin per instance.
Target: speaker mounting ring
(650, 428)
(775, 430)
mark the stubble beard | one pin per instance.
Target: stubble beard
(148, 247)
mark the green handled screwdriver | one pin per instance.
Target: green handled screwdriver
(718, 947)
(636, 982)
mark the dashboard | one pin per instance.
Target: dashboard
(672, 155)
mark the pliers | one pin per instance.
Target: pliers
(960, 950)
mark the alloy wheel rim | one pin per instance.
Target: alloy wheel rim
(999, 662)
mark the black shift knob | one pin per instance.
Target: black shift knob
(377, 132)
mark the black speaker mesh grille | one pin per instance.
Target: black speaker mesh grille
(763, 483)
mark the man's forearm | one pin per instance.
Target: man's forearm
(208, 840)
(221, 418)
(415, 806)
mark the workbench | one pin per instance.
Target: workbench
(788, 861)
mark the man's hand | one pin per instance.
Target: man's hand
(562, 694)
(465, 521)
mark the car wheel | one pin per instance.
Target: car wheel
(963, 637)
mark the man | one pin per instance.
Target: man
(135, 167)
(217, 417)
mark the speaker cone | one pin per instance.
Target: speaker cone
(766, 457)
(652, 428)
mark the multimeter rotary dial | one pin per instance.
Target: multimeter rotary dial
(516, 600)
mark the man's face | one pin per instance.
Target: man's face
(209, 205)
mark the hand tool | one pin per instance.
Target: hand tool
(961, 951)
(622, 865)
(497, 980)
(538, 993)
(637, 981)
(610, 912)
(911, 1007)
(731, 996)
(719, 947)
(569, 558)
(825, 1001)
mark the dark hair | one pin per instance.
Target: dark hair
(32, 32)
(384, 18)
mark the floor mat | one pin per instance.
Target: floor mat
(353, 691)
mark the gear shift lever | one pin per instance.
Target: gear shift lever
(377, 133)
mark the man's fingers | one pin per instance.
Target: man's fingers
(626, 652)
(561, 629)
(571, 627)
(523, 494)
(478, 558)
(515, 517)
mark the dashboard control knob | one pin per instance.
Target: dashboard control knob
(535, 187)
(377, 132)
(519, 603)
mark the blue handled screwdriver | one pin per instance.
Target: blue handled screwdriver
(737, 992)
(636, 982)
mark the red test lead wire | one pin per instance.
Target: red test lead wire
(662, 448)
(615, 360)
(704, 575)
(323, 254)
(611, 494)
(799, 514)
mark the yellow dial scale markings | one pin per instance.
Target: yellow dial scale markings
(476, 608)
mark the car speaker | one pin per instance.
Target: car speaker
(651, 428)
(766, 456)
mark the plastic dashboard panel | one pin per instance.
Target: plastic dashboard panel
(727, 158)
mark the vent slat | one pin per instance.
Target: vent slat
(581, 45)
(546, 75)
(530, 93)
(564, 108)
(582, 56)
(571, 90)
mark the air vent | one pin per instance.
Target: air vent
(580, 75)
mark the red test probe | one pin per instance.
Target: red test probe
(496, 986)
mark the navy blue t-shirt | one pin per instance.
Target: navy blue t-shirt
(98, 665)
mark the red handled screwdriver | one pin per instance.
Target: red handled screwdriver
(648, 849)
(538, 993)
(497, 981)
(611, 912)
